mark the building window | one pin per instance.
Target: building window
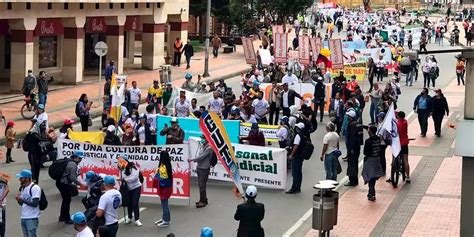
(81, 5)
(97, 6)
(136, 5)
(147, 5)
(122, 5)
(50, 6)
(28, 5)
(9, 5)
(111, 6)
(48, 51)
(66, 6)
(158, 5)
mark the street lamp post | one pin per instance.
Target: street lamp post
(208, 25)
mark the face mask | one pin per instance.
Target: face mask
(134, 116)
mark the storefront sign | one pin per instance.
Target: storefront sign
(261, 166)
(102, 159)
(269, 131)
(316, 46)
(335, 46)
(49, 27)
(191, 128)
(132, 23)
(281, 46)
(96, 25)
(304, 50)
(249, 51)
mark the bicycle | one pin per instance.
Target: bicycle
(397, 168)
(28, 109)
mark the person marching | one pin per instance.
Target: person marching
(250, 214)
(131, 176)
(203, 169)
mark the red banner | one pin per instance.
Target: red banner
(337, 58)
(249, 51)
(316, 46)
(48, 27)
(281, 47)
(96, 25)
(304, 49)
(132, 23)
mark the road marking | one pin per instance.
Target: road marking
(308, 213)
(122, 220)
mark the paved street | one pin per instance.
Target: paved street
(282, 210)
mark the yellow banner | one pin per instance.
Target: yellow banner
(87, 137)
(354, 69)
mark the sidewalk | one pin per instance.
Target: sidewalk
(61, 102)
(411, 209)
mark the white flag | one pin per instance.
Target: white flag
(390, 125)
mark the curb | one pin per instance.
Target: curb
(97, 114)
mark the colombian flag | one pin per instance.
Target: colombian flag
(118, 97)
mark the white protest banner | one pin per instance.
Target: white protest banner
(269, 131)
(249, 51)
(102, 159)
(281, 46)
(261, 166)
(337, 58)
(202, 99)
(265, 56)
(304, 50)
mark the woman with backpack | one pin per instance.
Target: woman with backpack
(163, 182)
(130, 175)
(83, 107)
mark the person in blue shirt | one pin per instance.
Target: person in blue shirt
(109, 70)
(422, 107)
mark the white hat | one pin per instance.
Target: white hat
(111, 128)
(300, 125)
(174, 119)
(251, 191)
(351, 113)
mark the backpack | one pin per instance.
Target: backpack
(307, 149)
(360, 133)
(213, 160)
(78, 109)
(290, 137)
(25, 142)
(56, 170)
(43, 202)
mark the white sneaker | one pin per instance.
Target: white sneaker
(138, 223)
(164, 224)
(127, 221)
(158, 221)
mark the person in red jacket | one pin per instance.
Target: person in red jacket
(402, 128)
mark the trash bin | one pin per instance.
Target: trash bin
(324, 212)
(336, 205)
(165, 74)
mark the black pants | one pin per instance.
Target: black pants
(372, 187)
(65, 190)
(423, 115)
(338, 125)
(188, 61)
(35, 163)
(423, 47)
(215, 52)
(9, 154)
(410, 44)
(319, 104)
(109, 230)
(134, 200)
(177, 59)
(286, 112)
(262, 120)
(437, 120)
(203, 175)
(383, 161)
(371, 82)
(380, 74)
(352, 165)
(274, 111)
(132, 106)
(3, 223)
(460, 77)
(84, 123)
(297, 173)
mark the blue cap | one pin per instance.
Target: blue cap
(188, 76)
(256, 83)
(78, 218)
(207, 232)
(79, 154)
(25, 173)
(40, 106)
(236, 110)
(285, 119)
(110, 180)
(89, 175)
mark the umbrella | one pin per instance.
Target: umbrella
(390, 9)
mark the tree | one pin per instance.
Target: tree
(220, 10)
(197, 8)
(280, 10)
(242, 15)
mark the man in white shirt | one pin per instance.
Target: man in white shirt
(261, 108)
(181, 107)
(289, 78)
(216, 104)
(29, 197)
(380, 68)
(135, 97)
(80, 225)
(41, 115)
(108, 207)
(330, 144)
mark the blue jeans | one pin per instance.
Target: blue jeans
(409, 78)
(29, 227)
(330, 165)
(374, 110)
(166, 210)
(42, 98)
(297, 173)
